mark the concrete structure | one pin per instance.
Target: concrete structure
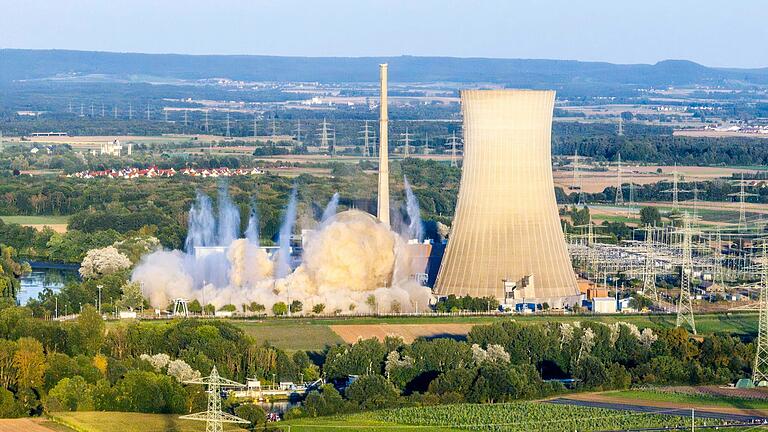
(383, 204)
(506, 241)
(604, 305)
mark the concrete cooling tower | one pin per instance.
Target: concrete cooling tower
(506, 240)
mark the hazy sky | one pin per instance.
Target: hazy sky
(714, 33)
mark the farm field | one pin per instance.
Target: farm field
(31, 425)
(57, 223)
(757, 400)
(409, 332)
(302, 336)
(518, 416)
(95, 421)
(314, 334)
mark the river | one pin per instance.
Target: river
(45, 275)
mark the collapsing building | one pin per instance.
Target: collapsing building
(506, 241)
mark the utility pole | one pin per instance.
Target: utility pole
(99, 287)
(685, 304)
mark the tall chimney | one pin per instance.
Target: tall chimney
(383, 207)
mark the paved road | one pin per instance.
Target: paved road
(736, 418)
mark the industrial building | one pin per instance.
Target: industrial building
(506, 241)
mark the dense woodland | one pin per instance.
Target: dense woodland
(78, 365)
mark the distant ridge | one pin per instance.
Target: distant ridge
(18, 64)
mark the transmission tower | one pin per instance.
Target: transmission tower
(102, 109)
(576, 183)
(255, 126)
(148, 111)
(114, 109)
(165, 112)
(649, 269)
(695, 200)
(453, 141)
(426, 143)
(366, 135)
(92, 115)
(324, 132)
(130, 112)
(406, 140)
(186, 118)
(274, 127)
(685, 304)
(70, 107)
(760, 368)
(214, 417)
(82, 113)
(227, 133)
(621, 127)
(742, 195)
(631, 193)
(298, 130)
(675, 191)
(205, 125)
(619, 183)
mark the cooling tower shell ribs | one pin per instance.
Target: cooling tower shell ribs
(506, 225)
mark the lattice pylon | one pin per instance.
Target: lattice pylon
(649, 270)
(685, 304)
(760, 367)
(214, 417)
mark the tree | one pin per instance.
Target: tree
(279, 309)
(87, 334)
(318, 308)
(372, 304)
(30, 365)
(102, 262)
(253, 413)
(650, 216)
(132, 297)
(71, 394)
(9, 407)
(296, 306)
(372, 392)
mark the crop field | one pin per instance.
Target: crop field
(702, 399)
(519, 416)
(301, 336)
(409, 332)
(314, 334)
(57, 223)
(94, 421)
